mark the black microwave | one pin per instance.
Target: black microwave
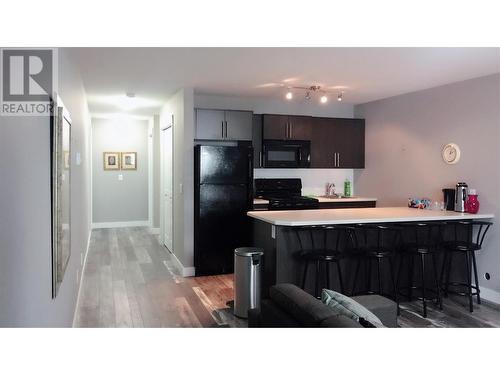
(286, 154)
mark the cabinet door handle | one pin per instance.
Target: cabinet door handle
(226, 129)
(291, 130)
(260, 159)
(334, 159)
(338, 159)
(222, 129)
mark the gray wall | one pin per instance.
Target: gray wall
(115, 200)
(404, 138)
(25, 239)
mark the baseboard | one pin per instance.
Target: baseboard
(82, 271)
(155, 231)
(185, 271)
(120, 224)
(490, 295)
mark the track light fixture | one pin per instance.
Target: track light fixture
(310, 91)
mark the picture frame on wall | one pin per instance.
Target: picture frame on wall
(111, 161)
(129, 161)
(61, 193)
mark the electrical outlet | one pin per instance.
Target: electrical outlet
(120, 177)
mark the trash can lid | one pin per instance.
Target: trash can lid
(248, 251)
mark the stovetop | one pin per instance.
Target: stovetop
(284, 194)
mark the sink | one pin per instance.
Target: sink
(334, 196)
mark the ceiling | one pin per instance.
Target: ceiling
(364, 74)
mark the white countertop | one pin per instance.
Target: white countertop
(359, 215)
(325, 200)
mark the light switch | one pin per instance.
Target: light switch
(120, 177)
(78, 158)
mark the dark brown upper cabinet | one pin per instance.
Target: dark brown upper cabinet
(337, 143)
(223, 125)
(286, 127)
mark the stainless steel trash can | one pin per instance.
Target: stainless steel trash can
(247, 269)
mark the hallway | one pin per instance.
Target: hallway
(130, 281)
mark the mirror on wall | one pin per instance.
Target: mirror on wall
(61, 194)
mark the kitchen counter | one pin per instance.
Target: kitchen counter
(276, 232)
(326, 200)
(359, 215)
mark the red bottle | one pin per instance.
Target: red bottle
(472, 205)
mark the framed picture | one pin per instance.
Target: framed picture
(111, 161)
(61, 194)
(129, 160)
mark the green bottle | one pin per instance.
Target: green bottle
(347, 188)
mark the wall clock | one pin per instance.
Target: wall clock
(451, 153)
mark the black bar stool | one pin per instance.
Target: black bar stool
(375, 243)
(321, 245)
(463, 243)
(421, 240)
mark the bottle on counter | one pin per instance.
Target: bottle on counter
(472, 204)
(347, 188)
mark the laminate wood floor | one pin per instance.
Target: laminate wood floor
(130, 281)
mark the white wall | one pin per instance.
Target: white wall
(404, 138)
(25, 234)
(181, 106)
(115, 200)
(313, 180)
(156, 171)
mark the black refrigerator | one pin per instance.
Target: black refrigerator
(223, 182)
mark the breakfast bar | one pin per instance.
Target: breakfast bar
(275, 232)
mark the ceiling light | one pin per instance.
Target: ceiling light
(126, 102)
(340, 96)
(323, 99)
(289, 95)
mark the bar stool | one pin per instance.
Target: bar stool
(463, 243)
(375, 244)
(421, 240)
(321, 245)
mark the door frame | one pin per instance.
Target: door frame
(163, 127)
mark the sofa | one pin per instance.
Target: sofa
(290, 306)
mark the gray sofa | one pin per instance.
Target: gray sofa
(290, 306)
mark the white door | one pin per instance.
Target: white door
(168, 210)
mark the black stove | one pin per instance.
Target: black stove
(284, 194)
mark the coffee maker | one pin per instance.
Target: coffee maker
(461, 191)
(449, 199)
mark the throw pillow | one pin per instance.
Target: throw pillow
(346, 306)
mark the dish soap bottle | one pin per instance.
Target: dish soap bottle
(347, 188)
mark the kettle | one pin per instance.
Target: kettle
(460, 196)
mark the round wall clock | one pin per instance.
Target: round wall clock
(451, 153)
